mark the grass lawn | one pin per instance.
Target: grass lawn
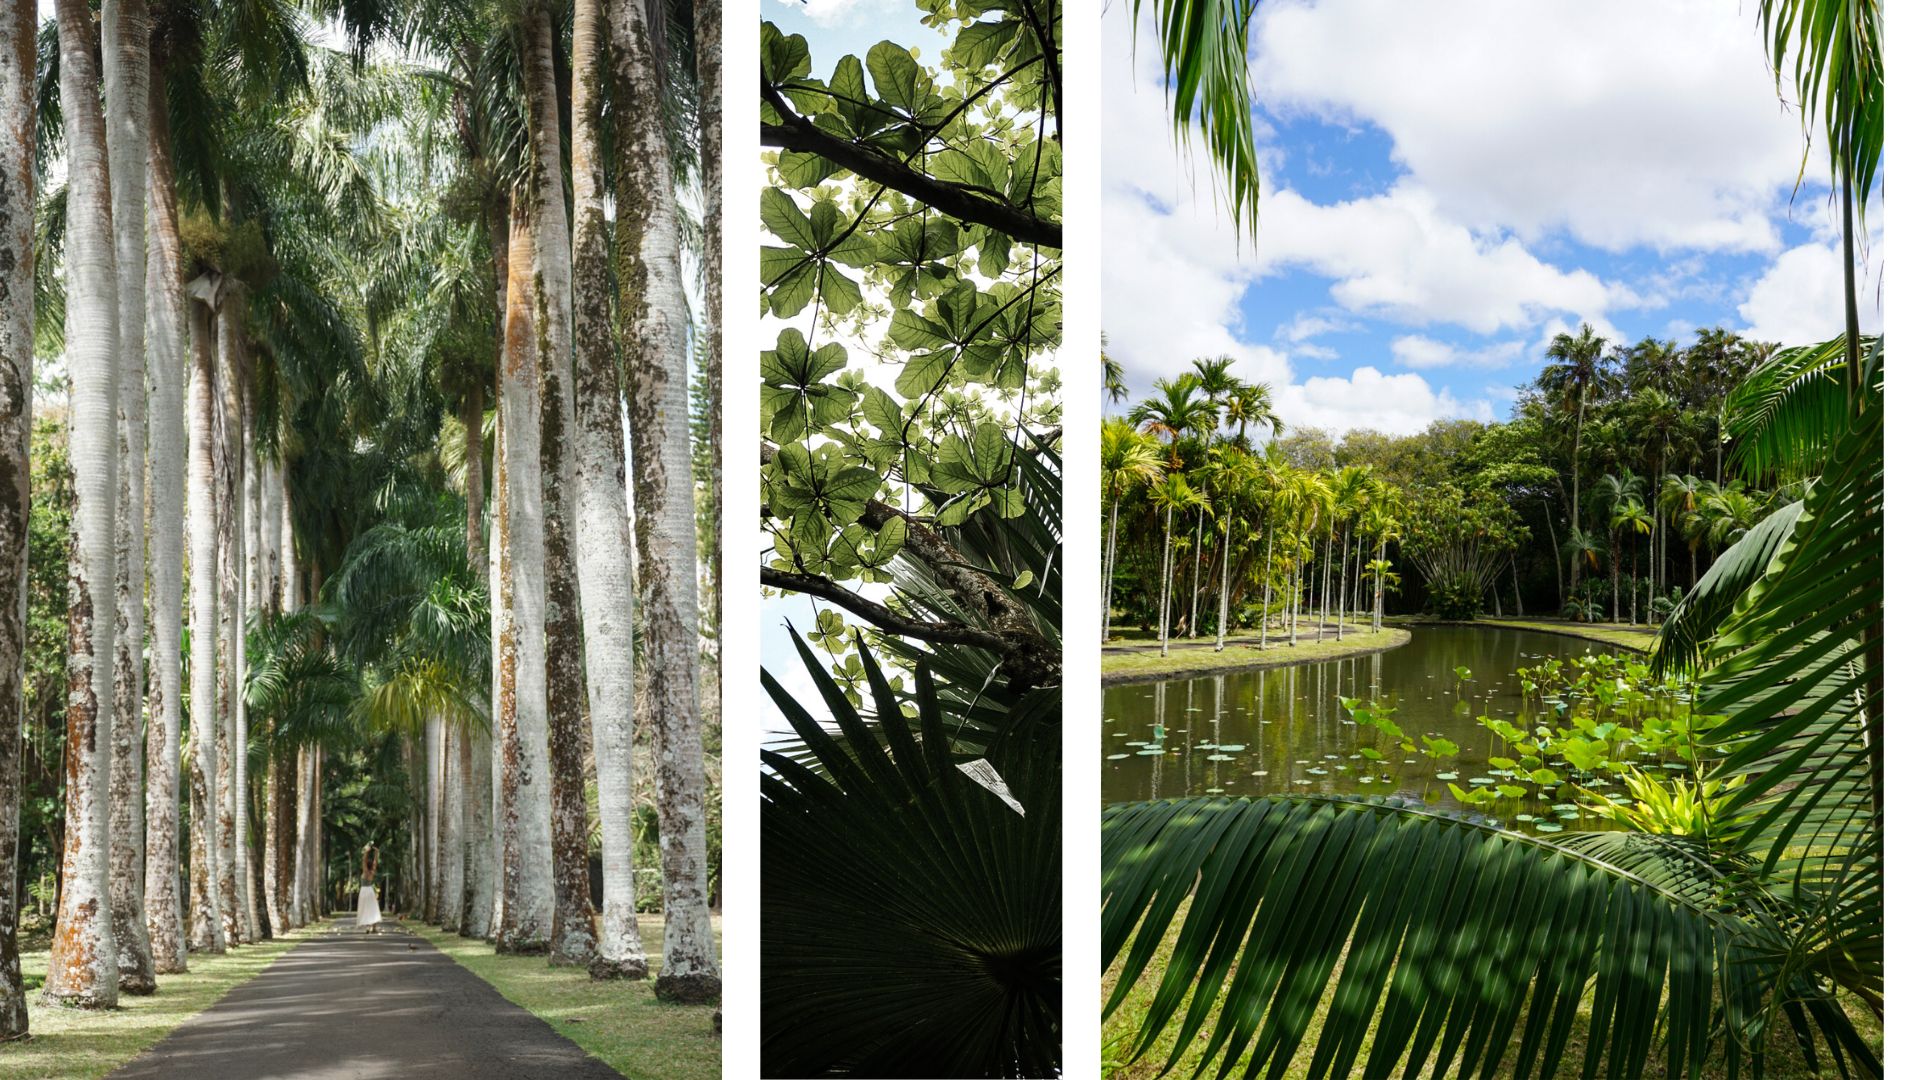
(1117, 1034)
(1141, 666)
(621, 1023)
(76, 1044)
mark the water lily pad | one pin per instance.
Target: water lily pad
(1258, 772)
(1446, 776)
(1216, 791)
(1118, 757)
(1141, 742)
(1546, 826)
(1231, 748)
(1480, 781)
(1316, 772)
(1219, 757)
(1148, 752)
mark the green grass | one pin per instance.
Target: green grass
(1190, 660)
(1118, 1032)
(621, 1023)
(78, 1044)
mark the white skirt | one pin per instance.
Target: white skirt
(369, 907)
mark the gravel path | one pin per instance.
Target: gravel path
(355, 1006)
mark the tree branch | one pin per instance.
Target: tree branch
(796, 132)
(882, 616)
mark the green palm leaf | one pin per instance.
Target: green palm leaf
(1203, 49)
(1298, 906)
(1688, 631)
(916, 928)
(1782, 416)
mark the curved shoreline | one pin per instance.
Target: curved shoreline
(1396, 636)
(1546, 626)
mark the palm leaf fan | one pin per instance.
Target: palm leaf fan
(915, 929)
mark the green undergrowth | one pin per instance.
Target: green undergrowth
(621, 1023)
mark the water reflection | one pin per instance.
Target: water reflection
(1284, 730)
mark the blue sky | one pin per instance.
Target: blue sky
(1447, 186)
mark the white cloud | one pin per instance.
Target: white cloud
(1416, 351)
(1800, 299)
(1638, 122)
(1175, 270)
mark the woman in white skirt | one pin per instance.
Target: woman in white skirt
(369, 916)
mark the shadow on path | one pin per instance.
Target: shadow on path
(356, 1006)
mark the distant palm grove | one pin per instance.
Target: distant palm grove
(355, 449)
(1604, 496)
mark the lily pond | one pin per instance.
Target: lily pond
(1446, 718)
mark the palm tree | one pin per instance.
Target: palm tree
(1249, 404)
(1203, 50)
(82, 968)
(1173, 495)
(1353, 489)
(1613, 493)
(1227, 474)
(1630, 514)
(1680, 502)
(1576, 368)
(1729, 512)
(1113, 377)
(1382, 523)
(17, 37)
(1128, 460)
(606, 575)
(125, 43)
(1275, 484)
(1179, 411)
(654, 338)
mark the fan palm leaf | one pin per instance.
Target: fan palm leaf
(916, 929)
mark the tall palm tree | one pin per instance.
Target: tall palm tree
(17, 38)
(1610, 495)
(1128, 460)
(167, 447)
(125, 44)
(605, 554)
(1576, 368)
(82, 968)
(1629, 514)
(653, 330)
(1383, 524)
(1172, 495)
(1178, 411)
(1249, 404)
(1228, 472)
(1679, 503)
(1353, 490)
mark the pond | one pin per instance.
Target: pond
(1284, 730)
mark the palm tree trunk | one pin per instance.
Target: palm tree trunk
(1380, 587)
(1166, 580)
(1579, 424)
(208, 926)
(271, 869)
(246, 545)
(1226, 540)
(526, 879)
(1266, 592)
(477, 782)
(605, 555)
(1340, 611)
(654, 338)
(500, 622)
(300, 894)
(1614, 565)
(231, 490)
(452, 826)
(707, 55)
(567, 736)
(17, 38)
(123, 62)
(82, 967)
(433, 742)
(1106, 590)
(1193, 613)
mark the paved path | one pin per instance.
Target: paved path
(354, 1006)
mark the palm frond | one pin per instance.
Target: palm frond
(1782, 416)
(1203, 50)
(916, 930)
(1429, 943)
(1690, 628)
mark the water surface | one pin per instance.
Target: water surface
(1283, 730)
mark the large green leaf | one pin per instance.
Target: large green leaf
(915, 929)
(1420, 940)
(1690, 628)
(1782, 417)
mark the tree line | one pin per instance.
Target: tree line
(1601, 497)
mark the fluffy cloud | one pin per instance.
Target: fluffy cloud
(1415, 351)
(1639, 122)
(1800, 299)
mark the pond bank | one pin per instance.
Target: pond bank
(1623, 635)
(1121, 663)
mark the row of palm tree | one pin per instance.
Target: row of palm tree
(1184, 452)
(225, 291)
